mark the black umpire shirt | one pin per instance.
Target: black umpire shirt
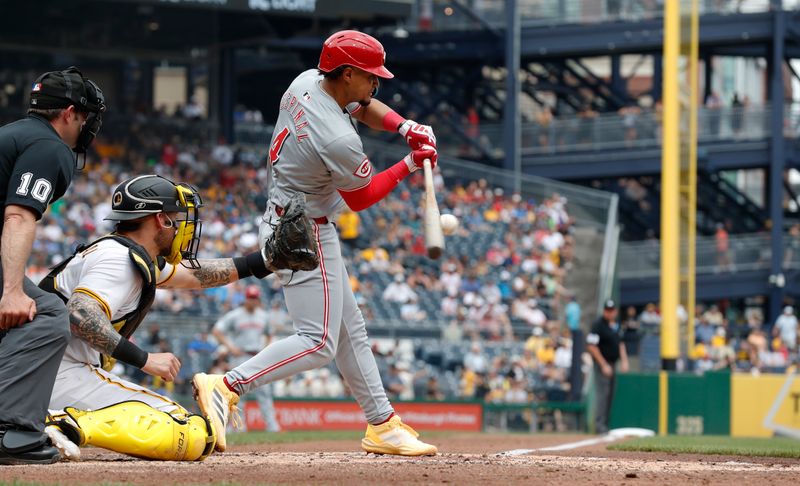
(606, 336)
(36, 166)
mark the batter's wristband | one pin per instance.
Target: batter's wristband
(129, 353)
(392, 121)
(252, 264)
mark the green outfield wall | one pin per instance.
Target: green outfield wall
(715, 403)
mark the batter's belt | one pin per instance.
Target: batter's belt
(322, 220)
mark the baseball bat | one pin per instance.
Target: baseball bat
(434, 238)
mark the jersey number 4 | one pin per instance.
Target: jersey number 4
(277, 145)
(41, 188)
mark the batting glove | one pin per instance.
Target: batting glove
(416, 157)
(417, 135)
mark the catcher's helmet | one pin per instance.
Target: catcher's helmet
(145, 195)
(353, 48)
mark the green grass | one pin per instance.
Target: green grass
(705, 444)
(293, 436)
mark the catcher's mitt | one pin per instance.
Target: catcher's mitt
(292, 245)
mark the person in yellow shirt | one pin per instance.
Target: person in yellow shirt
(349, 227)
(377, 257)
(536, 341)
(491, 215)
(547, 353)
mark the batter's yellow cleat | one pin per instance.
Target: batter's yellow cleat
(217, 403)
(395, 437)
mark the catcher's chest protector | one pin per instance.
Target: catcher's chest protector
(140, 259)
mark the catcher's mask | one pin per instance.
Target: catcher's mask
(152, 194)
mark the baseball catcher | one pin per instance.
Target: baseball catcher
(109, 286)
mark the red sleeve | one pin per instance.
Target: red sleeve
(391, 121)
(379, 186)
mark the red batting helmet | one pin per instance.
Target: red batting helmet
(353, 48)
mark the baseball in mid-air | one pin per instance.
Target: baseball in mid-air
(449, 223)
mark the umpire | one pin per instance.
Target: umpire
(37, 164)
(605, 344)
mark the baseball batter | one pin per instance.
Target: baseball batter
(316, 150)
(244, 332)
(108, 287)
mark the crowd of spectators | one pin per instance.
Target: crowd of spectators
(727, 337)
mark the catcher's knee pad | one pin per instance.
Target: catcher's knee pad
(137, 429)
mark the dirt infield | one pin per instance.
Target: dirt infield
(465, 459)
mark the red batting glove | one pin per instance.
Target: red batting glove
(417, 135)
(416, 157)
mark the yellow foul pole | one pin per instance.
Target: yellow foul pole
(670, 176)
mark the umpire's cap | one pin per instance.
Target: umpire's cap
(59, 89)
(144, 195)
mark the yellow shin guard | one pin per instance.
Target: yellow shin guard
(137, 429)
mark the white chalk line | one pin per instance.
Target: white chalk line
(610, 437)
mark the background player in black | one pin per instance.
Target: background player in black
(605, 344)
(36, 168)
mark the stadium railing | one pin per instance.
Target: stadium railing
(746, 252)
(535, 13)
(604, 131)
(609, 131)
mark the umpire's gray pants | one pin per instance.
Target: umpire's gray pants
(29, 359)
(604, 386)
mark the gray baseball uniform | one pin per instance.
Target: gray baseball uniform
(316, 150)
(247, 331)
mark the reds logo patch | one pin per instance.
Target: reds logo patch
(364, 170)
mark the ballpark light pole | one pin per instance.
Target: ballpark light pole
(511, 122)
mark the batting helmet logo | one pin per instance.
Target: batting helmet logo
(353, 48)
(117, 199)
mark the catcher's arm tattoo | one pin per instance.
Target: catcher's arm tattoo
(212, 273)
(88, 321)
